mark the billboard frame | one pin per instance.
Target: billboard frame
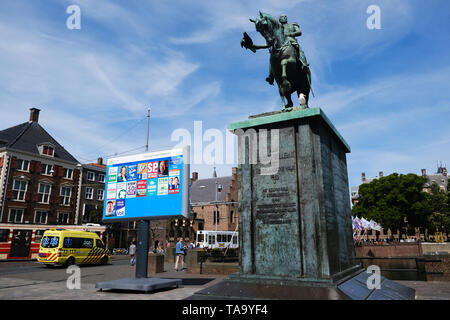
(185, 206)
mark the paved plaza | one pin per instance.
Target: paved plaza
(28, 280)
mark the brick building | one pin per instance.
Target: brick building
(38, 177)
(39, 183)
(206, 209)
(92, 192)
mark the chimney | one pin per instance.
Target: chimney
(424, 172)
(363, 177)
(100, 161)
(444, 172)
(194, 177)
(234, 172)
(34, 114)
(380, 174)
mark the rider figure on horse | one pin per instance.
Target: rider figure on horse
(290, 31)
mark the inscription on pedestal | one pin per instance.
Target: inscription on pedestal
(275, 213)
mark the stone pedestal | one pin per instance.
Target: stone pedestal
(295, 231)
(294, 224)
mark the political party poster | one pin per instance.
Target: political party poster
(131, 189)
(152, 169)
(120, 208)
(112, 174)
(110, 209)
(163, 186)
(174, 184)
(152, 185)
(111, 191)
(141, 188)
(121, 190)
(132, 172)
(142, 171)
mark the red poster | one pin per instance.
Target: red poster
(152, 170)
(141, 188)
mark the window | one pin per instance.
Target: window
(89, 193)
(71, 242)
(46, 168)
(66, 193)
(19, 189)
(4, 235)
(231, 216)
(44, 192)
(38, 236)
(90, 176)
(41, 217)
(216, 217)
(101, 178)
(99, 243)
(67, 173)
(63, 218)
(48, 150)
(15, 215)
(50, 242)
(100, 194)
(23, 165)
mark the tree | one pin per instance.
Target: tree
(439, 217)
(394, 201)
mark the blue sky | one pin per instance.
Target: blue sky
(387, 91)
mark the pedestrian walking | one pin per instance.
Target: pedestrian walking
(132, 252)
(180, 252)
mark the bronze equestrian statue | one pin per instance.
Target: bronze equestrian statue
(288, 64)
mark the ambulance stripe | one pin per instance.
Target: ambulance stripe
(91, 255)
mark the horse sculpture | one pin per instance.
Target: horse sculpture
(286, 67)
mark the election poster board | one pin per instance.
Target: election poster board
(147, 186)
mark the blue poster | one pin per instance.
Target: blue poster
(120, 208)
(132, 172)
(146, 187)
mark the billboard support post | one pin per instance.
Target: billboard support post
(142, 249)
(145, 187)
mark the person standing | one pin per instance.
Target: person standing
(132, 252)
(179, 251)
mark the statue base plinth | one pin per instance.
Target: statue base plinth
(354, 287)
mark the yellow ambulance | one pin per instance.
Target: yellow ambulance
(68, 247)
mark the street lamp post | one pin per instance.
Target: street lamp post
(218, 189)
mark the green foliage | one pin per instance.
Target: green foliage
(439, 216)
(393, 200)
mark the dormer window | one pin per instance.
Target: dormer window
(47, 149)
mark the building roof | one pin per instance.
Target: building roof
(95, 167)
(438, 178)
(204, 190)
(27, 136)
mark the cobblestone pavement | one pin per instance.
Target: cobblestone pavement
(430, 290)
(31, 281)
